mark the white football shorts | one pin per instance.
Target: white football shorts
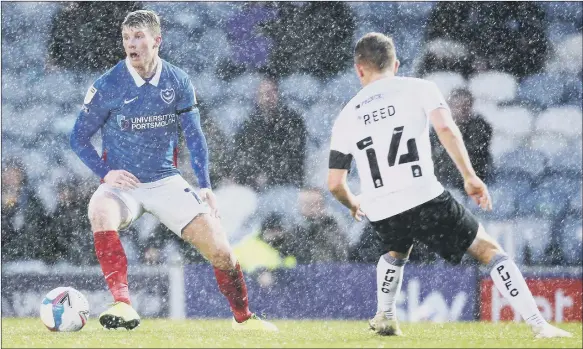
(172, 200)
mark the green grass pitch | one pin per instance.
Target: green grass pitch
(159, 333)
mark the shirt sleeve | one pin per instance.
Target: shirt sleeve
(195, 139)
(187, 97)
(433, 98)
(197, 146)
(340, 153)
(90, 119)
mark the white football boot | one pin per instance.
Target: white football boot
(384, 326)
(549, 331)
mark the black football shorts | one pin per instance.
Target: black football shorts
(442, 224)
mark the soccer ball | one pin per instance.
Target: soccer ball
(64, 309)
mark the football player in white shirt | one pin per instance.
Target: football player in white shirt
(385, 129)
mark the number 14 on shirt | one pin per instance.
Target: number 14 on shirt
(411, 155)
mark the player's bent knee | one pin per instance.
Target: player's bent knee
(104, 213)
(484, 247)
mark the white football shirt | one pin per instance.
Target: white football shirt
(385, 128)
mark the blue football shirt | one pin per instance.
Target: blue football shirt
(139, 121)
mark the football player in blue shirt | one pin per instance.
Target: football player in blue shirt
(138, 105)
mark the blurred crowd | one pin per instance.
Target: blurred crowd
(270, 78)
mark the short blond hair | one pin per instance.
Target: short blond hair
(376, 51)
(143, 19)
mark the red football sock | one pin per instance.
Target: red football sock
(114, 264)
(232, 285)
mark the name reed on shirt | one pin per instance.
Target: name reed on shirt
(378, 115)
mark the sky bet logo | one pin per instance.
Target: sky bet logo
(140, 123)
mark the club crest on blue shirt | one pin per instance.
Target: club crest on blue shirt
(167, 95)
(123, 123)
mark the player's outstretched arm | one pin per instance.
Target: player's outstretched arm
(86, 126)
(196, 143)
(339, 163)
(90, 119)
(339, 188)
(451, 138)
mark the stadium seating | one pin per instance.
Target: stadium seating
(297, 106)
(354, 229)
(517, 235)
(549, 198)
(562, 120)
(13, 91)
(566, 161)
(534, 234)
(63, 124)
(571, 236)
(364, 26)
(493, 86)
(36, 163)
(523, 161)
(573, 89)
(145, 225)
(19, 19)
(563, 183)
(563, 11)
(537, 123)
(244, 88)
(446, 48)
(221, 48)
(504, 197)
(373, 15)
(300, 87)
(406, 69)
(575, 204)
(414, 12)
(187, 16)
(503, 232)
(484, 107)
(217, 12)
(130, 249)
(502, 144)
(208, 87)
(513, 121)
(238, 203)
(319, 120)
(557, 30)
(541, 90)
(282, 200)
(567, 56)
(340, 90)
(447, 81)
(171, 48)
(315, 174)
(68, 90)
(31, 121)
(230, 116)
(408, 44)
(549, 144)
(76, 166)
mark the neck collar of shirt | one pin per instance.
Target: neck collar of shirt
(139, 80)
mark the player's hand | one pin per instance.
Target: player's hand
(357, 213)
(478, 191)
(209, 197)
(121, 179)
